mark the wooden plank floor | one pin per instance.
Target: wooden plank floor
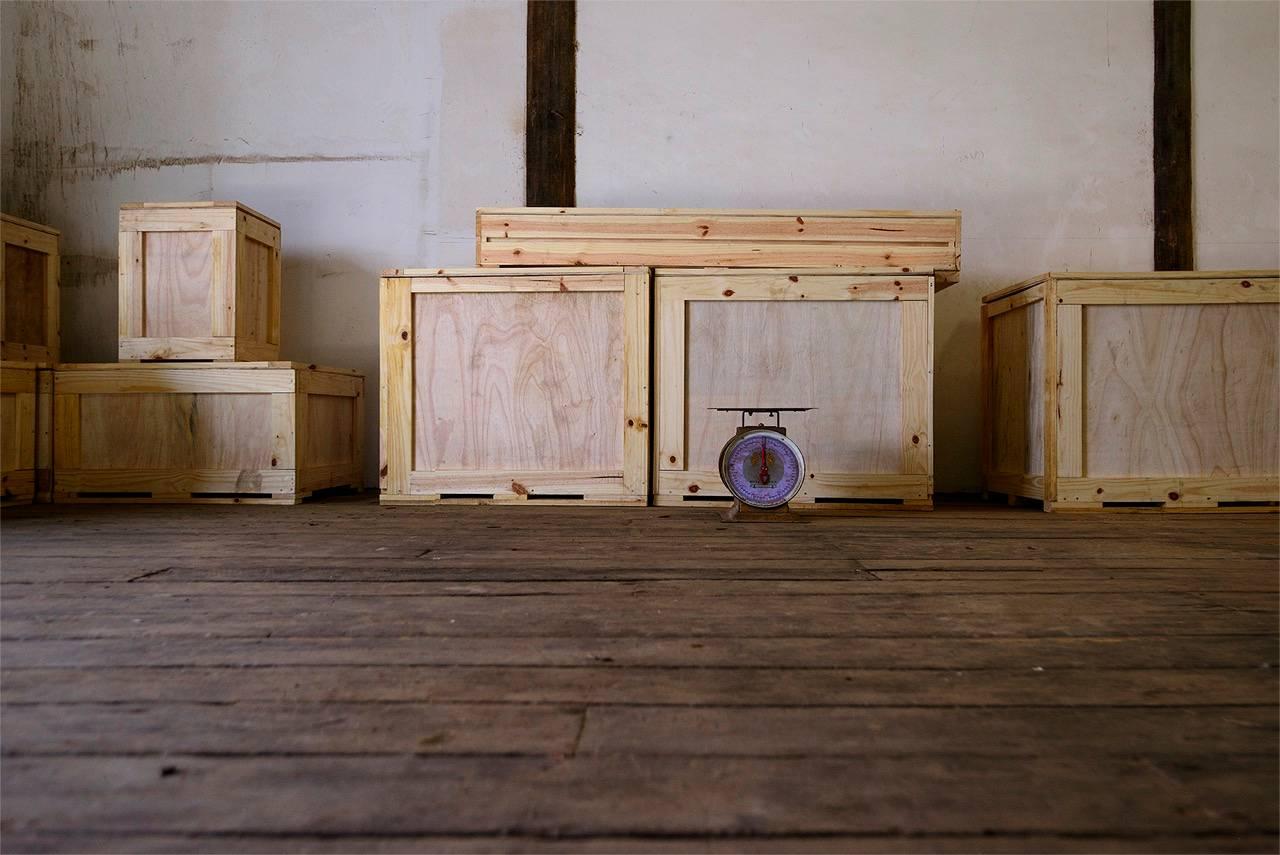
(340, 677)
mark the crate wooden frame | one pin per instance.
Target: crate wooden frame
(292, 473)
(675, 484)
(1053, 316)
(25, 432)
(28, 237)
(233, 334)
(895, 242)
(402, 484)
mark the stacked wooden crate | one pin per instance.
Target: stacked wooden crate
(1124, 390)
(200, 410)
(29, 311)
(829, 309)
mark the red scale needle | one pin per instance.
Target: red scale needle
(764, 460)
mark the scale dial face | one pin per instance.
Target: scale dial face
(762, 468)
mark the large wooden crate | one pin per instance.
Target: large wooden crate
(866, 241)
(29, 291)
(859, 349)
(522, 386)
(25, 431)
(260, 432)
(198, 281)
(1134, 389)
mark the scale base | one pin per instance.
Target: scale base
(739, 512)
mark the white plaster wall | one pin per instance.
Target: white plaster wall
(1033, 118)
(371, 131)
(1236, 94)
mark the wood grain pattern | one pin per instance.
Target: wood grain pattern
(178, 271)
(1017, 394)
(844, 358)
(395, 385)
(518, 381)
(975, 679)
(24, 287)
(253, 316)
(1070, 409)
(1182, 390)
(175, 431)
(916, 386)
(331, 435)
(10, 442)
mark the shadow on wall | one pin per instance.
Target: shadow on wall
(329, 316)
(957, 396)
(89, 300)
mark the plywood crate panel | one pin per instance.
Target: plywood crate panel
(522, 386)
(198, 281)
(867, 241)
(264, 432)
(25, 430)
(1110, 390)
(858, 349)
(29, 291)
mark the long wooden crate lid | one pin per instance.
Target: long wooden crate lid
(868, 241)
(203, 366)
(144, 206)
(1128, 276)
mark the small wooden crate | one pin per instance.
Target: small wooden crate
(198, 281)
(25, 430)
(29, 291)
(866, 241)
(859, 349)
(1111, 390)
(261, 432)
(521, 386)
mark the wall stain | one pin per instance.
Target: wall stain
(69, 161)
(83, 269)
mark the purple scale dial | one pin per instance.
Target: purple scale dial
(762, 468)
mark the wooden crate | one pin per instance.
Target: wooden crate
(25, 431)
(198, 281)
(29, 291)
(866, 241)
(521, 386)
(1133, 389)
(857, 348)
(260, 432)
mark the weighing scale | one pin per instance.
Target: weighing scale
(762, 467)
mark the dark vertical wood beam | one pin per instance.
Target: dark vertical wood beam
(551, 98)
(1171, 148)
